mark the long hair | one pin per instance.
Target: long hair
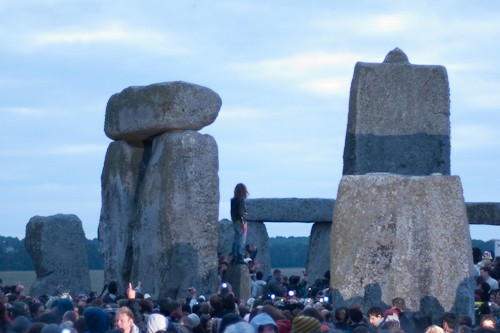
(240, 191)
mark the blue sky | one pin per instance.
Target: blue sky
(282, 68)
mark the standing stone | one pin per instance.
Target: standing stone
(401, 236)
(138, 113)
(176, 235)
(120, 177)
(226, 237)
(318, 254)
(398, 119)
(240, 281)
(58, 249)
(160, 189)
(257, 235)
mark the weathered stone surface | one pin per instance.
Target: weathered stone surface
(257, 235)
(239, 278)
(318, 255)
(119, 181)
(290, 210)
(388, 239)
(176, 234)
(138, 113)
(398, 119)
(226, 237)
(57, 246)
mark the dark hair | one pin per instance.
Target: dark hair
(259, 275)
(112, 287)
(341, 314)
(240, 191)
(486, 269)
(451, 319)
(375, 311)
(356, 315)
(399, 303)
(465, 320)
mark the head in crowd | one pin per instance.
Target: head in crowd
(96, 319)
(375, 315)
(263, 323)
(156, 322)
(450, 321)
(240, 327)
(488, 321)
(399, 303)
(305, 324)
(434, 329)
(341, 314)
(124, 319)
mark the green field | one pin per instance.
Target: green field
(26, 278)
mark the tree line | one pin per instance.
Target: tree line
(284, 252)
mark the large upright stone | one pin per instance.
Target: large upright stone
(176, 235)
(123, 169)
(139, 113)
(398, 118)
(318, 254)
(401, 236)
(58, 249)
(257, 235)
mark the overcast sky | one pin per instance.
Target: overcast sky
(282, 68)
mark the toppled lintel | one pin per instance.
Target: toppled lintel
(314, 210)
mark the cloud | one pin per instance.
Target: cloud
(109, 34)
(22, 111)
(319, 73)
(63, 150)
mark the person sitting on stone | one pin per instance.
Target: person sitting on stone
(275, 285)
(485, 274)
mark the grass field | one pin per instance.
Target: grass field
(26, 278)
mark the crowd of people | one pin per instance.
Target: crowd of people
(278, 304)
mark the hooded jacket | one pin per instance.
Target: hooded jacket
(263, 319)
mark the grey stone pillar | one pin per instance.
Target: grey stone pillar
(160, 189)
(257, 235)
(398, 118)
(58, 248)
(119, 181)
(318, 255)
(402, 236)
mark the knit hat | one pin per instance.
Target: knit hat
(194, 319)
(305, 324)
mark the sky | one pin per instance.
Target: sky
(283, 70)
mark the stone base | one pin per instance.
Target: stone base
(238, 276)
(402, 236)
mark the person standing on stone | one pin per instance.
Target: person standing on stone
(238, 216)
